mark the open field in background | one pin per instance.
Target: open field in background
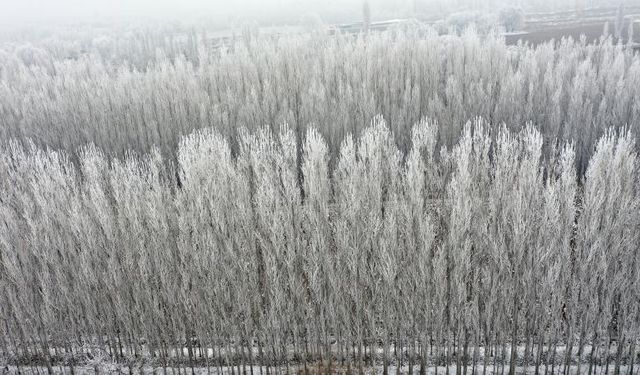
(590, 31)
(538, 27)
(542, 27)
(541, 21)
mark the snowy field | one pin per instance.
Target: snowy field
(97, 362)
(600, 370)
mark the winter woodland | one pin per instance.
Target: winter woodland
(292, 203)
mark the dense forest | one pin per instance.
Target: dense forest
(281, 203)
(139, 90)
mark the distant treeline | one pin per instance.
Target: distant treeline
(138, 90)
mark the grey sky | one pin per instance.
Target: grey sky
(52, 9)
(26, 12)
(20, 11)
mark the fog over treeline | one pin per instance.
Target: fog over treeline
(30, 12)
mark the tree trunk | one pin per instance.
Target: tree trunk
(619, 349)
(606, 357)
(16, 349)
(245, 358)
(349, 357)
(540, 348)
(503, 356)
(360, 356)
(458, 350)
(580, 348)
(497, 346)
(465, 352)
(328, 352)
(476, 353)
(47, 355)
(527, 346)
(567, 359)
(592, 355)
(487, 351)
(514, 341)
(439, 348)
(385, 354)
(632, 355)
(449, 345)
(190, 351)
(553, 355)
(119, 343)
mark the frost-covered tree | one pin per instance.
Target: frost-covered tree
(417, 232)
(318, 249)
(607, 240)
(135, 98)
(467, 196)
(269, 252)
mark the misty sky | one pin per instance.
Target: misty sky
(69, 9)
(28, 11)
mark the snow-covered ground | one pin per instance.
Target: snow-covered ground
(81, 370)
(99, 359)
